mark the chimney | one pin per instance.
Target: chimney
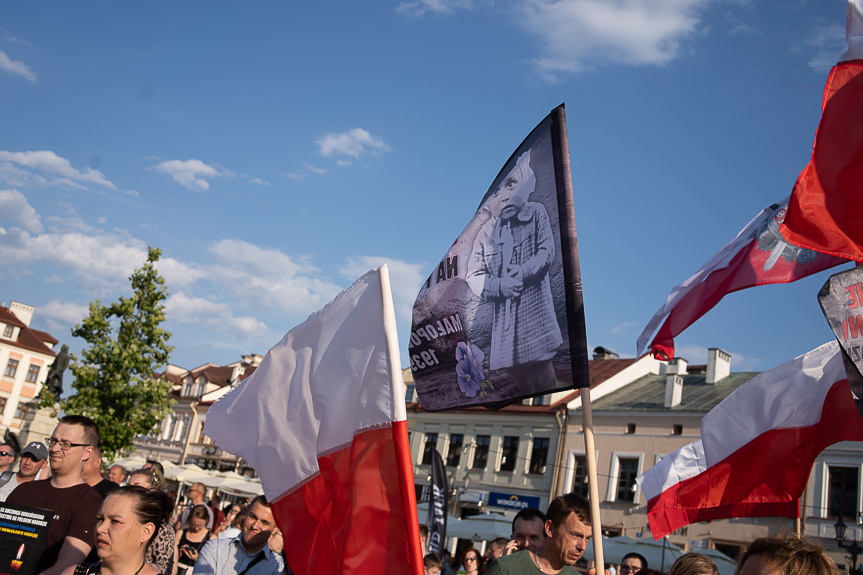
(718, 365)
(674, 373)
(22, 311)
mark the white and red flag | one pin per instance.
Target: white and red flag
(322, 420)
(757, 447)
(758, 255)
(824, 210)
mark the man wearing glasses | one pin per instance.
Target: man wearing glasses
(74, 503)
(196, 497)
(7, 457)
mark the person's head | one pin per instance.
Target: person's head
(515, 188)
(567, 528)
(117, 474)
(146, 478)
(432, 564)
(33, 459)
(71, 444)
(632, 563)
(528, 529)
(471, 560)
(93, 467)
(128, 521)
(785, 554)
(258, 524)
(198, 519)
(497, 547)
(7, 456)
(197, 492)
(424, 537)
(694, 564)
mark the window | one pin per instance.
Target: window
(842, 491)
(630, 428)
(32, 373)
(579, 480)
(539, 455)
(627, 472)
(22, 411)
(8, 330)
(409, 393)
(430, 446)
(453, 456)
(509, 453)
(676, 429)
(480, 455)
(11, 368)
(2, 405)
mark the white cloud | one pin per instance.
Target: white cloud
(64, 312)
(405, 279)
(16, 68)
(15, 207)
(577, 35)
(624, 327)
(268, 277)
(353, 143)
(829, 43)
(191, 174)
(44, 167)
(218, 316)
(419, 8)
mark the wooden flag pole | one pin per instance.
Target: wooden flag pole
(575, 318)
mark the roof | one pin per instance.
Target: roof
(29, 339)
(647, 394)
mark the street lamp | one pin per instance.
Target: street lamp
(853, 548)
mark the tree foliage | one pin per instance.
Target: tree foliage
(115, 377)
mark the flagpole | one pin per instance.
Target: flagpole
(403, 459)
(575, 319)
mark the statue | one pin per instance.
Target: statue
(54, 381)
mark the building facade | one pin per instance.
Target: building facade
(26, 354)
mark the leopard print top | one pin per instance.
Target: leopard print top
(161, 552)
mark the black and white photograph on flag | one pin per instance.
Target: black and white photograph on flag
(841, 300)
(490, 324)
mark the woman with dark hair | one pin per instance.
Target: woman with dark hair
(162, 552)
(192, 538)
(125, 527)
(470, 562)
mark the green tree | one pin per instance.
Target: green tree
(115, 378)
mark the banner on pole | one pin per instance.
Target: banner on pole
(438, 505)
(501, 317)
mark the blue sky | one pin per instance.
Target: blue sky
(275, 151)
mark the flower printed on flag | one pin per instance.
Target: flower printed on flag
(470, 371)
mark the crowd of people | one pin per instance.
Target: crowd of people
(126, 524)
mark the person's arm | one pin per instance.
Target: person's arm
(206, 562)
(71, 553)
(536, 266)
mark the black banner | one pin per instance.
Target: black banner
(22, 535)
(841, 299)
(437, 506)
(501, 317)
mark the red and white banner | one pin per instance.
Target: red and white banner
(757, 447)
(823, 213)
(322, 420)
(758, 255)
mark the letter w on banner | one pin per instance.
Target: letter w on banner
(757, 447)
(501, 318)
(323, 422)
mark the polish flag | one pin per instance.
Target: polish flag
(322, 420)
(757, 447)
(824, 211)
(758, 255)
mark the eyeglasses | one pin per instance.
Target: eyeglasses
(64, 445)
(6, 454)
(466, 559)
